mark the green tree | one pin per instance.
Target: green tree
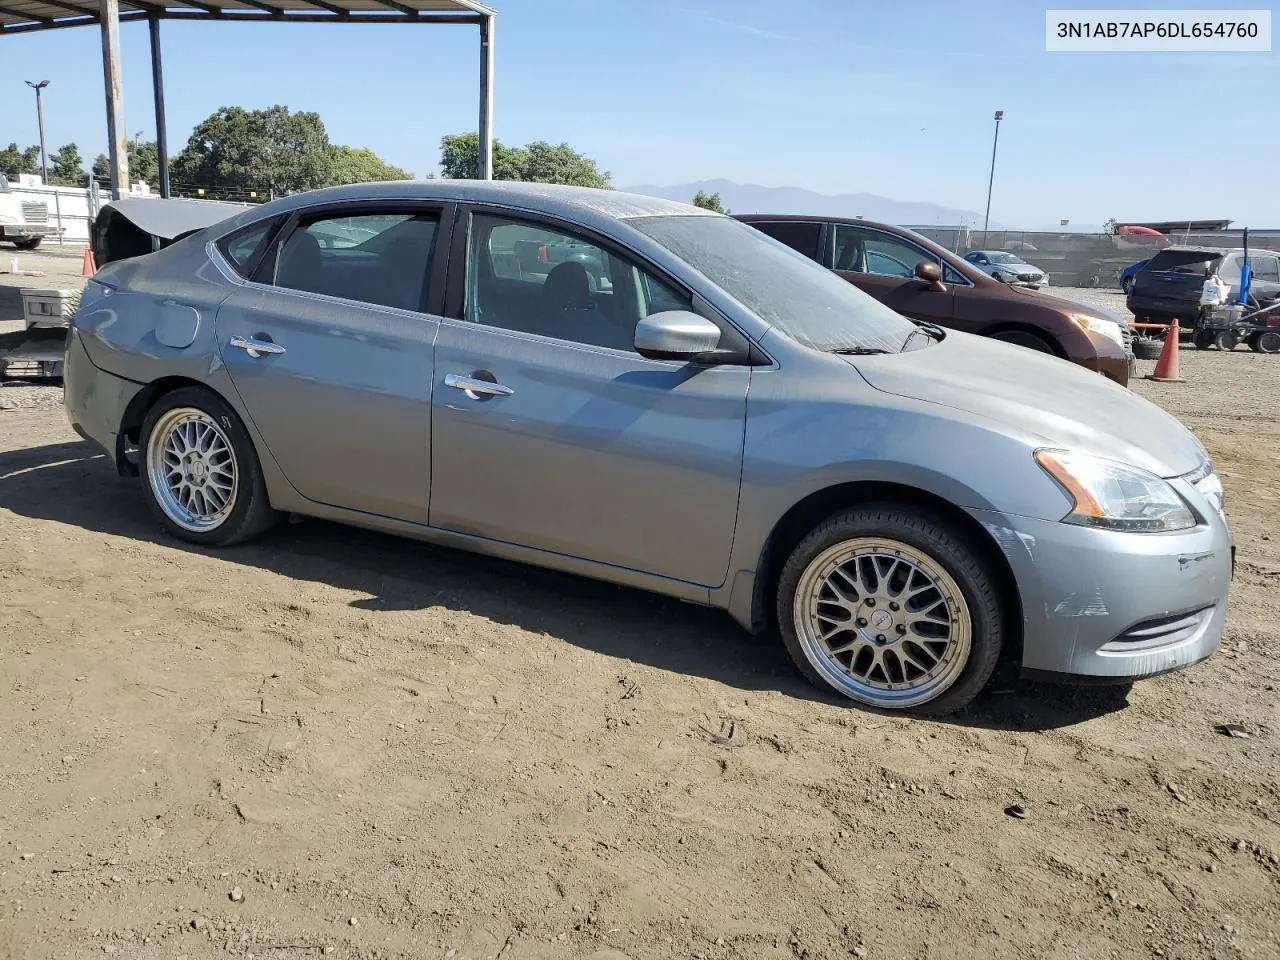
(144, 162)
(460, 158)
(361, 165)
(708, 201)
(66, 166)
(269, 149)
(101, 167)
(15, 162)
(538, 162)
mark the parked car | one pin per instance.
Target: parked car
(728, 423)
(922, 280)
(24, 223)
(1007, 268)
(1170, 284)
(1131, 271)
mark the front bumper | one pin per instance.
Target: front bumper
(1104, 606)
(24, 231)
(94, 399)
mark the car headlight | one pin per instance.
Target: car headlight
(1106, 328)
(1114, 496)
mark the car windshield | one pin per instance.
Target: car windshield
(804, 300)
(1003, 258)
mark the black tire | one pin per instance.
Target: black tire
(1202, 339)
(28, 243)
(1025, 338)
(1126, 284)
(948, 549)
(1226, 340)
(1147, 348)
(250, 512)
(1268, 341)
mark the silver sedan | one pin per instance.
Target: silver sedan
(658, 396)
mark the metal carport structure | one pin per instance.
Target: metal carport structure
(25, 16)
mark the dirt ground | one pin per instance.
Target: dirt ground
(337, 743)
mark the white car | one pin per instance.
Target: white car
(1007, 267)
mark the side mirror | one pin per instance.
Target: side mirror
(931, 273)
(676, 335)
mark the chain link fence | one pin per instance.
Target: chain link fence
(1085, 259)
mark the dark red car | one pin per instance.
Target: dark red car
(924, 281)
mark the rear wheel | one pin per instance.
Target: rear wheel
(1024, 338)
(889, 606)
(1268, 341)
(27, 243)
(1203, 339)
(200, 473)
(1226, 340)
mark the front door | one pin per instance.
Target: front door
(332, 356)
(550, 431)
(884, 265)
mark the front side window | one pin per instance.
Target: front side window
(860, 250)
(544, 280)
(376, 258)
(802, 237)
(802, 299)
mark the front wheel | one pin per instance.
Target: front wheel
(28, 243)
(200, 473)
(1023, 338)
(1202, 339)
(892, 608)
(1227, 340)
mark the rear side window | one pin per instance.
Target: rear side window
(1265, 268)
(376, 258)
(800, 237)
(244, 246)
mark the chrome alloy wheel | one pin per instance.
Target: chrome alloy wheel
(882, 622)
(191, 468)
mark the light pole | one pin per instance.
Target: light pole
(44, 154)
(991, 181)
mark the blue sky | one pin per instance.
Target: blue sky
(832, 95)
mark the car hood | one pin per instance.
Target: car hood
(1058, 303)
(1055, 403)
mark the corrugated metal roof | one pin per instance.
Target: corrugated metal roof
(26, 15)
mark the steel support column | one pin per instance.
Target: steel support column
(157, 89)
(109, 11)
(486, 98)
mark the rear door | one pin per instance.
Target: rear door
(550, 431)
(330, 349)
(883, 265)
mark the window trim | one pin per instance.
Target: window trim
(432, 304)
(746, 351)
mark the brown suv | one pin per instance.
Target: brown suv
(921, 280)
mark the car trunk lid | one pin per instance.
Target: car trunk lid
(1175, 274)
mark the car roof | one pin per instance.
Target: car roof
(549, 198)
(815, 218)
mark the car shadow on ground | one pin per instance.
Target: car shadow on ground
(72, 483)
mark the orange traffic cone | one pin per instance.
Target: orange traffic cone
(88, 270)
(1166, 370)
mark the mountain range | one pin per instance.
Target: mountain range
(753, 198)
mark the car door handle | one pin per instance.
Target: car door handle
(474, 387)
(255, 347)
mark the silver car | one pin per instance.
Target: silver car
(1008, 268)
(713, 417)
